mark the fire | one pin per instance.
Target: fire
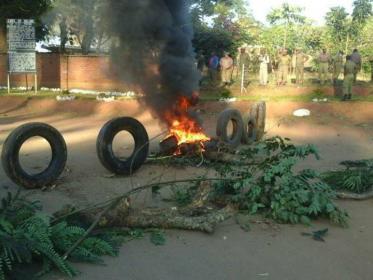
(187, 132)
(184, 127)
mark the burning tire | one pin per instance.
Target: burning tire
(105, 140)
(11, 162)
(225, 117)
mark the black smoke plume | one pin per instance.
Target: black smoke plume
(154, 49)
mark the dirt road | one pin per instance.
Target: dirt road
(341, 131)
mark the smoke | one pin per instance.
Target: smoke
(154, 49)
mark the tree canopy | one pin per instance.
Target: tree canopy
(25, 9)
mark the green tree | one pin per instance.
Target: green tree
(84, 19)
(345, 30)
(230, 25)
(339, 27)
(23, 9)
(366, 46)
(287, 15)
(362, 11)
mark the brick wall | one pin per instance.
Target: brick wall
(68, 72)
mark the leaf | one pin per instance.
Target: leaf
(158, 238)
(156, 190)
(317, 235)
(305, 220)
(243, 221)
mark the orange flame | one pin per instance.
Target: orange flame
(182, 126)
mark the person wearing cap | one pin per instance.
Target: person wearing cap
(323, 60)
(226, 67)
(337, 66)
(300, 60)
(356, 57)
(349, 71)
(283, 67)
(213, 66)
(371, 67)
(293, 66)
(263, 67)
(255, 63)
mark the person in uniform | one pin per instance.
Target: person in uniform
(274, 65)
(324, 60)
(356, 57)
(283, 67)
(300, 60)
(244, 64)
(337, 66)
(226, 67)
(294, 63)
(255, 62)
(213, 67)
(201, 62)
(263, 70)
(371, 67)
(349, 72)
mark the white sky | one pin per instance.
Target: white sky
(314, 9)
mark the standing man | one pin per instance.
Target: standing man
(274, 65)
(243, 64)
(371, 68)
(263, 68)
(349, 71)
(337, 66)
(226, 67)
(213, 67)
(294, 62)
(283, 67)
(324, 60)
(356, 57)
(201, 62)
(300, 60)
(255, 62)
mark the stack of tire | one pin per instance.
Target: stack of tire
(246, 130)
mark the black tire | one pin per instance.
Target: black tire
(221, 129)
(261, 120)
(13, 144)
(104, 146)
(250, 129)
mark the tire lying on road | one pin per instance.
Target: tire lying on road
(11, 162)
(225, 117)
(105, 140)
(261, 119)
(257, 118)
(249, 129)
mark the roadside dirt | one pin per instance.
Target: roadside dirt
(341, 131)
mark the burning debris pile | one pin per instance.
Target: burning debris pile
(186, 134)
(154, 53)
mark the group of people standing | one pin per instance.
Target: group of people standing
(349, 65)
(246, 63)
(280, 65)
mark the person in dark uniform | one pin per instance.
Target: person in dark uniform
(349, 71)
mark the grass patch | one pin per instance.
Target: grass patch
(42, 94)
